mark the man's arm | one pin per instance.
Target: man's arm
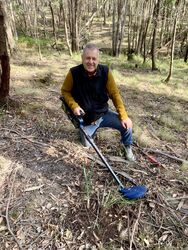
(117, 101)
(66, 93)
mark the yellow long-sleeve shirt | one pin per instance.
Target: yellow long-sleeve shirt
(112, 90)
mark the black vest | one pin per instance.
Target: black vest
(90, 92)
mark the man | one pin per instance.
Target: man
(87, 89)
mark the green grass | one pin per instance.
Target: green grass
(112, 197)
(184, 167)
(88, 174)
(77, 57)
(142, 136)
(166, 134)
(30, 41)
(30, 91)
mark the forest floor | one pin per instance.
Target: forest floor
(56, 194)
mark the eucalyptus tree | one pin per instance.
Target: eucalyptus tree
(176, 8)
(154, 35)
(142, 26)
(6, 46)
(118, 25)
(139, 27)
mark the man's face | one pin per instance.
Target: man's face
(90, 60)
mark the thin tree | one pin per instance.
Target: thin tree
(36, 29)
(173, 41)
(119, 10)
(155, 24)
(65, 27)
(186, 53)
(53, 24)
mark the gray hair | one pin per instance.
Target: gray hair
(90, 46)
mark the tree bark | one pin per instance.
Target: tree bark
(66, 30)
(4, 56)
(163, 26)
(186, 54)
(173, 42)
(5, 78)
(118, 26)
(155, 22)
(144, 38)
(53, 24)
(36, 30)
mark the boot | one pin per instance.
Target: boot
(129, 153)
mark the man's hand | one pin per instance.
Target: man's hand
(127, 123)
(78, 111)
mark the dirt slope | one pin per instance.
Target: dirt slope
(55, 194)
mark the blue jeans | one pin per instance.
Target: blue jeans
(110, 120)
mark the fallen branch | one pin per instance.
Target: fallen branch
(165, 154)
(33, 188)
(177, 155)
(157, 138)
(116, 170)
(25, 137)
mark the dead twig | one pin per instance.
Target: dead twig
(135, 226)
(177, 155)
(177, 198)
(171, 211)
(153, 132)
(7, 213)
(26, 137)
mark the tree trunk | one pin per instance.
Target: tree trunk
(104, 14)
(121, 35)
(4, 56)
(12, 20)
(129, 29)
(5, 78)
(144, 38)
(74, 25)
(36, 31)
(118, 26)
(183, 43)
(141, 25)
(153, 46)
(66, 30)
(114, 30)
(53, 24)
(173, 43)
(186, 54)
(163, 26)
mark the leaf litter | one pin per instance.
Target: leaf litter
(62, 197)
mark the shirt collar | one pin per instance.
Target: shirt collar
(98, 72)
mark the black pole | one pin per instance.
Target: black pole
(104, 159)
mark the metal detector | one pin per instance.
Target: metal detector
(132, 192)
